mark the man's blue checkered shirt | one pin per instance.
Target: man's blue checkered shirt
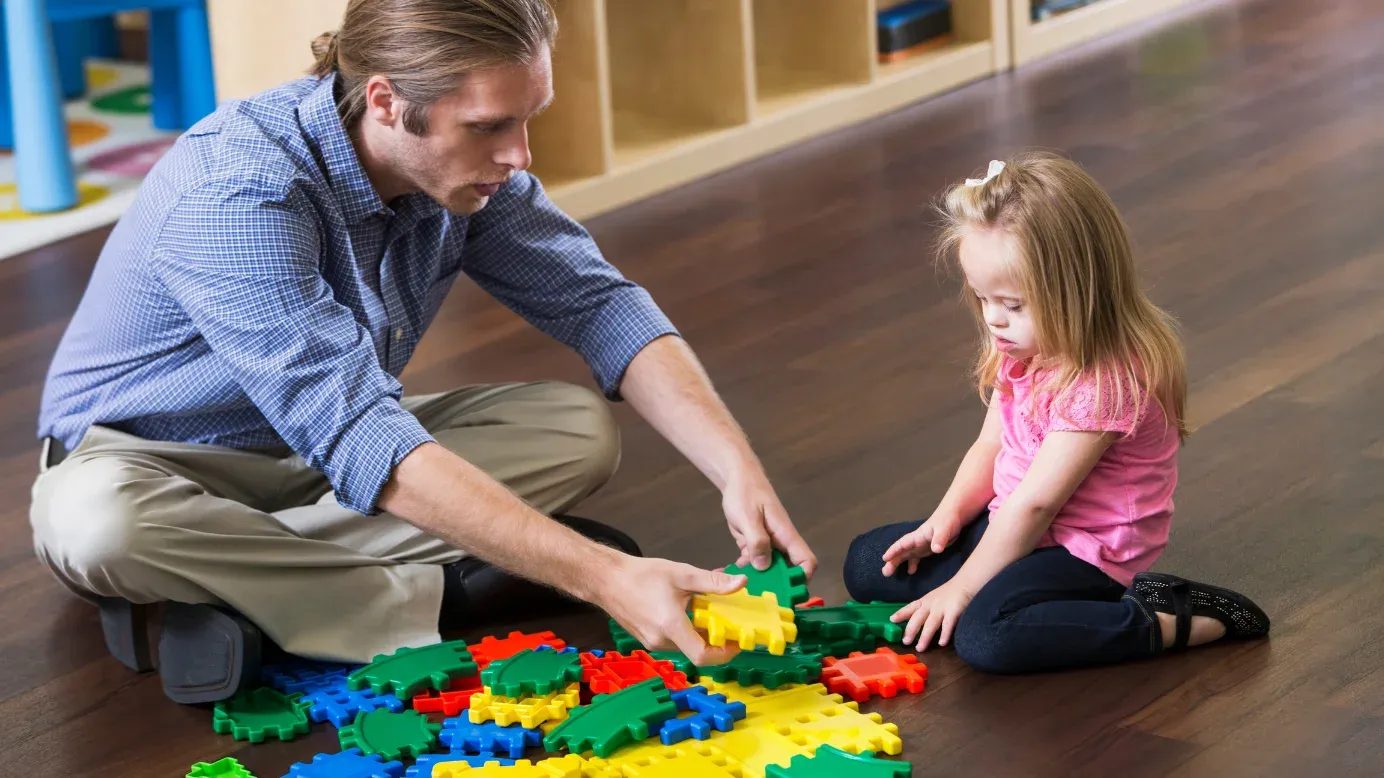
(259, 292)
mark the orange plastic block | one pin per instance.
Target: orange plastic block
(883, 672)
(751, 621)
(452, 701)
(612, 672)
(490, 649)
(814, 602)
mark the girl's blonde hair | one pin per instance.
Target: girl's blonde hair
(1075, 267)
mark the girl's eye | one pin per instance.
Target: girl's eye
(1013, 308)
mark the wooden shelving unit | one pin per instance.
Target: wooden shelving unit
(655, 93)
(1034, 40)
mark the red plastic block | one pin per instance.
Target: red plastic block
(452, 701)
(814, 602)
(612, 672)
(491, 649)
(883, 672)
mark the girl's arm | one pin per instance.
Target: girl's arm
(1061, 464)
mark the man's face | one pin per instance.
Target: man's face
(478, 136)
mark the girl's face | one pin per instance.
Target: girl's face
(985, 255)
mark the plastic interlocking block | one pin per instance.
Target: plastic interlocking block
(531, 673)
(408, 671)
(261, 713)
(569, 766)
(846, 728)
(685, 760)
(350, 763)
(303, 676)
(492, 649)
(451, 701)
(680, 661)
(462, 736)
(748, 620)
(613, 671)
(853, 619)
(835, 647)
(770, 670)
(423, 768)
(709, 711)
(391, 735)
(339, 704)
(776, 707)
(528, 712)
(612, 720)
(830, 762)
(883, 672)
(787, 582)
(812, 602)
(222, 768)
(758, 747)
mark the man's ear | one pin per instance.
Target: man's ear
(382, 103)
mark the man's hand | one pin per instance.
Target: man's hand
(650, 597)
(759, 523)
(935, 613)
(932, 537)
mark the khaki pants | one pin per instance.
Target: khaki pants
(261, 532)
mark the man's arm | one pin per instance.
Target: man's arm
(668, 387)
(545, 267)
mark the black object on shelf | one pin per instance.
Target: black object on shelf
(1046, 9)
(908, 25)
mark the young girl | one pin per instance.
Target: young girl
(1036, 558)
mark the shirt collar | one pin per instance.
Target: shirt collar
(323, 128)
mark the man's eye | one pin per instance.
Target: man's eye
(488, 129)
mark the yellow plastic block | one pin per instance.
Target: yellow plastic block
(570, 766)
(736, 693)
(529, 712)
(756, 747)
(749, 621)
(781, 705)
(846, 728)
(688, 759)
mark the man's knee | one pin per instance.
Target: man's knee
(86, 515)
(587, 420)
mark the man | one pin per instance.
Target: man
(223, 427)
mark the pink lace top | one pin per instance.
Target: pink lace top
(1118, 518)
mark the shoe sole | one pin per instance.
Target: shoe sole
(206, 654)
(125, 627)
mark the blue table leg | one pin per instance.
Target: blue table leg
(165, 70)
(6, 118)
(194, 54)
(72, 44)
(43, 164)
(105, 42)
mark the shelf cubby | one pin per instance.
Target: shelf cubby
(805, 49)
(573, 139)
(1034, 40)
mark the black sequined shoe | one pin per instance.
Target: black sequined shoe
(1184, 599)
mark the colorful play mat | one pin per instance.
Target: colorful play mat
(114, 144)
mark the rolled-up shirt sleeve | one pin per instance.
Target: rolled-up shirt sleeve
(242, 261)
(545, 267)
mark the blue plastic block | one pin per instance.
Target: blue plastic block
(711, 711)
(339, 705)
(303, 676)
(567, 650)
(461, 736)
(351, 763)
(424, 766)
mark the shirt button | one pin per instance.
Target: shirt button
(398, 333)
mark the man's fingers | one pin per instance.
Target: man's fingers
(755, 540)
(691, 644)
(794, 547)
(696, 580)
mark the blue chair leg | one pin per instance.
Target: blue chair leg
(44, 171)
(198, 73)
(72, 41)
(105, 38)
(6, 118)
(165, 70)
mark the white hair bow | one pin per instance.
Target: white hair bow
(995, 168)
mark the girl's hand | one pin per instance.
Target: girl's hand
(935, 612)
(932, 537)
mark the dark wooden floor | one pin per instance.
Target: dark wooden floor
(1245, 143)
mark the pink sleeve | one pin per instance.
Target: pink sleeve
(1076, 410)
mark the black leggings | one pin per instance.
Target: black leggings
(1047, 611)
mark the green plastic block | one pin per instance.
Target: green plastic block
(852, 620)
(624, 641)
(391, 735)
(679, 660)
(832, 762)
(257, 714)
(223, 768)
(614, 720)
(408, 671)
(750, 668)
(837, 647)
(532, 673)
(787, 582)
